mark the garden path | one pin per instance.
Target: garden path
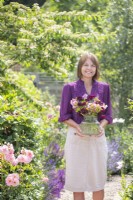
(112, 189)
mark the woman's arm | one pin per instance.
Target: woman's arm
(66, 110)
(103, 123)
(108, 112)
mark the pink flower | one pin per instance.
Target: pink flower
(10, 148)
(12, 180)
(9, 181)
(7, 149)
(15, 175)
(9, 157)
(45, 179)
(4, 149)
(29, 153)
(14, 162)
(26, 156)
(8, 152)
(50, 116)
(22, 158)
(74, 103)
(15, 182)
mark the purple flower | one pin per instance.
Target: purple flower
(56, 178)
(114, 156)
(56, 182)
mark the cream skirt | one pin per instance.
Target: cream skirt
(86, 162)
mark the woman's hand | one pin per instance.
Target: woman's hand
(102, 125)
(78, 131)
(100, 131)
(72, 123)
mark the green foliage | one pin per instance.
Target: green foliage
(130, 107)
(26, 2)
(68, 5)
(27, 119)
(125, 135)
(116, 53)
(41, 40)
(16, 122)
(29, 181)
(127, 191)
(32, 37)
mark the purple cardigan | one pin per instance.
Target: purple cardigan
(76, 89)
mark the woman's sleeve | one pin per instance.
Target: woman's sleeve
(107, 114)
(65, 106)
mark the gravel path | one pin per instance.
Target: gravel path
(112, 189)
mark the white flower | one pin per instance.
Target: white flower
(119, 164)
(85, 96)
(118, 120)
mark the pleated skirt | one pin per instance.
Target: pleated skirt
(86, 162)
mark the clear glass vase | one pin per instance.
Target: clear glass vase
(90, 125)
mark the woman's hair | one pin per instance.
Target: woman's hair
(83, 59)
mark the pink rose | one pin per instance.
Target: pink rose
(15, 175)
(29, 153)
(14, 162)
(22, 158)
(9, 157)
(11, 149)
(4, 149)
(9, 181)
(15, 182)
(12, 180)
(7, 149)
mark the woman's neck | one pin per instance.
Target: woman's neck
(87, 81)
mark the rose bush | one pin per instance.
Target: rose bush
(29, 119)
(17, 175)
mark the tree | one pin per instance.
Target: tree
(26, 2)
(79, 5)
(117, 53)
(31, 37)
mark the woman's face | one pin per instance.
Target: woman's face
(88, 69)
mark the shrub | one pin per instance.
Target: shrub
(127, 191)
(18, 174)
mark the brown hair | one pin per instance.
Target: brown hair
(82, 60)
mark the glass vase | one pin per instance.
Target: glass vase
(90, 125)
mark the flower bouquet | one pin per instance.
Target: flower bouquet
(89, 107)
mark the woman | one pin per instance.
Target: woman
(86, 157)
